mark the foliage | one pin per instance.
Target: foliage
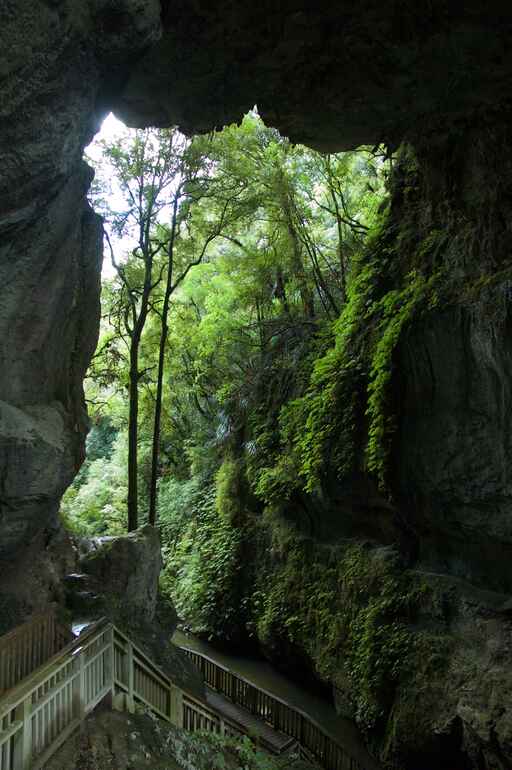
(227, 489)
(98, 506)
(219, 752)
(350, 609)
(202, 557)
(322, 425)
(280, 389)
(247, 325)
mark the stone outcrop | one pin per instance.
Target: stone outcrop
(329, 74)
(126, 569)
(122, 573)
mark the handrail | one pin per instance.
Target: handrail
(191, 653)
(13, 697)
(279, 714)
(41, 712)
(26, 647)
(38, 714)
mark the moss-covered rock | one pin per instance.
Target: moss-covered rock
(140, 742)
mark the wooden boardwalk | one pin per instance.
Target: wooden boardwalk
(45, 703)
(278, 725)
(259, 730)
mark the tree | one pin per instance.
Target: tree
(190, 189)
(280, 226)
(159, 173)
(145, 166)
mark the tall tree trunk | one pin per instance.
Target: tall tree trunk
(155, 453)
(170, 286)
(305, 292)
(133, 419)
(334, 199)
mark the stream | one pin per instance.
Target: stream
(265, 676)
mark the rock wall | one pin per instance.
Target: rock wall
(57, 63)
(451, 463)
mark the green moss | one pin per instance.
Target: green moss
(319, 427)
(350, 610)
(203, 561)
(228, 488)
(394, 311)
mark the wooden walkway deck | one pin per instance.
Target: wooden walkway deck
(254, 726)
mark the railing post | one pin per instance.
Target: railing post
(23, 740)
(110, 665)
(81, 685)
(130, 703)
(176, 715)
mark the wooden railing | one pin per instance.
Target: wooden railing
(38, 714)
(41, 712)
(277, 713)
(28, 646)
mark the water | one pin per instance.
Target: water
(264, 676)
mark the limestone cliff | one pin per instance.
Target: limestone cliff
(57, 61)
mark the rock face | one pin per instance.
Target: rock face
(138, 742)
(471, 694)
(456, 435)
(57, 59)
(329, 74)
(34, 582)
(122, 573)
(126, 569)
(454, 365)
